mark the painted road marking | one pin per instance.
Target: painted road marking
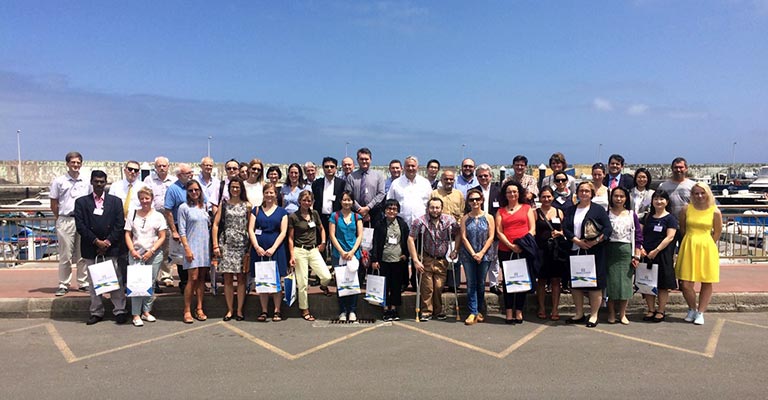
(525, 339)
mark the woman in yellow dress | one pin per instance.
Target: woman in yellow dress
(698, 260)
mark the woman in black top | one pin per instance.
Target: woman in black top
(659, 229)
(553, 250)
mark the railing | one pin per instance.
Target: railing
(744, 233)
(25, 238)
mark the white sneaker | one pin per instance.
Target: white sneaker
(699, 320)
(352, 317)
(342, 317)
(148, 318)
(691, 315)
(138, 322)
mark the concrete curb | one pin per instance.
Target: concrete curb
(170, 307)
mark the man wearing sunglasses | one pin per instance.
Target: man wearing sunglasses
(232, 169)
(467, 179)
(127, 190)
(328, 191)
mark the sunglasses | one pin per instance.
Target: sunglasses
(467, 166)
(329, 166)
(476, 199)
(193, 190)
(232, 168)
(256, 169)
(131, 169)
(561, 180)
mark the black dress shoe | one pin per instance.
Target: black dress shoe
(94, 319)
(570, 321)
(121, 318)
(495, 290)
(239, 318)
(227, 317)
(591, 324)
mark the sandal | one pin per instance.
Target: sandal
(542, 315)
(308, 317)
(649, 315)
(326, 291)
(554, 317)
(277, 317)
(656, 317)
(188, 318)
(262, 317)
(200, 315)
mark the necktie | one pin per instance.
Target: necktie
(127, 203)
(361, 198)
(614, 182)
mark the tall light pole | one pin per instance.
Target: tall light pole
(18, 150)
(209, 146)
(733, 160)
(463, 146)
(346, 149)
(599, 152)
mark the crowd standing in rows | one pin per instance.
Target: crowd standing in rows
(436, 224)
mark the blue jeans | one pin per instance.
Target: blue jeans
(144, 304)
(475, 284)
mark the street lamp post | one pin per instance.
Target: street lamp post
(209, 145)
(733, 160)
(346, 149)
(599, 152)
(18, 150)
(463, 146)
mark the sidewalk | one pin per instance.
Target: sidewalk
(28, 292)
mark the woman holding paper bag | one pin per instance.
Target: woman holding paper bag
(587, 226)
(267, 229)
(305, 248)
(230, 242)
(194, 224)
(622, 253)
(659, 229)
(345, 229)
(513, 221)
(698, 259)
(144, 234)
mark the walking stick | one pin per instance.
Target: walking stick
(455, 285)
(418, 279)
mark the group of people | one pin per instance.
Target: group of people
(437, 224)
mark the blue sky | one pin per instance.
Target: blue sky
(297, 80)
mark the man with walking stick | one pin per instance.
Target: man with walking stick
(434, 230)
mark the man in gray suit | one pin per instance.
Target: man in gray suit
(367, 188)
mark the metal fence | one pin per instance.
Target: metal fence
(25, 238)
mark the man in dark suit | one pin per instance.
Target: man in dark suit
(99, 221)
(615, 177)
(328, 191)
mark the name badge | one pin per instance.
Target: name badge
(365, 190)
(98, 211)
(658, 228)
(311, 224)
(257, 232)
(496, 204)
(332, 197)
(555, 220)
(560, 200)
(392, 240)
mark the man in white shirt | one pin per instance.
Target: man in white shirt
(159, 181)
(127, 190)
(64, 191)
(209, 184)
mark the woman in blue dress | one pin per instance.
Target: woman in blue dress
(194, 224)
(267, 228)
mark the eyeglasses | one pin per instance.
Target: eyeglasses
(131, 169)
(232, 168)
(329, 166)
(476, 199)
(561, 180)
(467, 166)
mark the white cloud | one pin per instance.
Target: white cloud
(637, 109)
(601, 104)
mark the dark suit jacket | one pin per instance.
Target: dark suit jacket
(597, 213)
(107, 226)
(493, 192)
(317, 190)
(625, 180)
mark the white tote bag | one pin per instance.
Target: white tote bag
(104, 277)
(347, 282)
(583, 271)
(139, 282)
(290, 290)
(647, 278)
(516, 276)
(367, 243)
(374, 290)
(266, 280)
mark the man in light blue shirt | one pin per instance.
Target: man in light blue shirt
(467, 179)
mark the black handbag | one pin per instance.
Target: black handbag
(554, 245)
